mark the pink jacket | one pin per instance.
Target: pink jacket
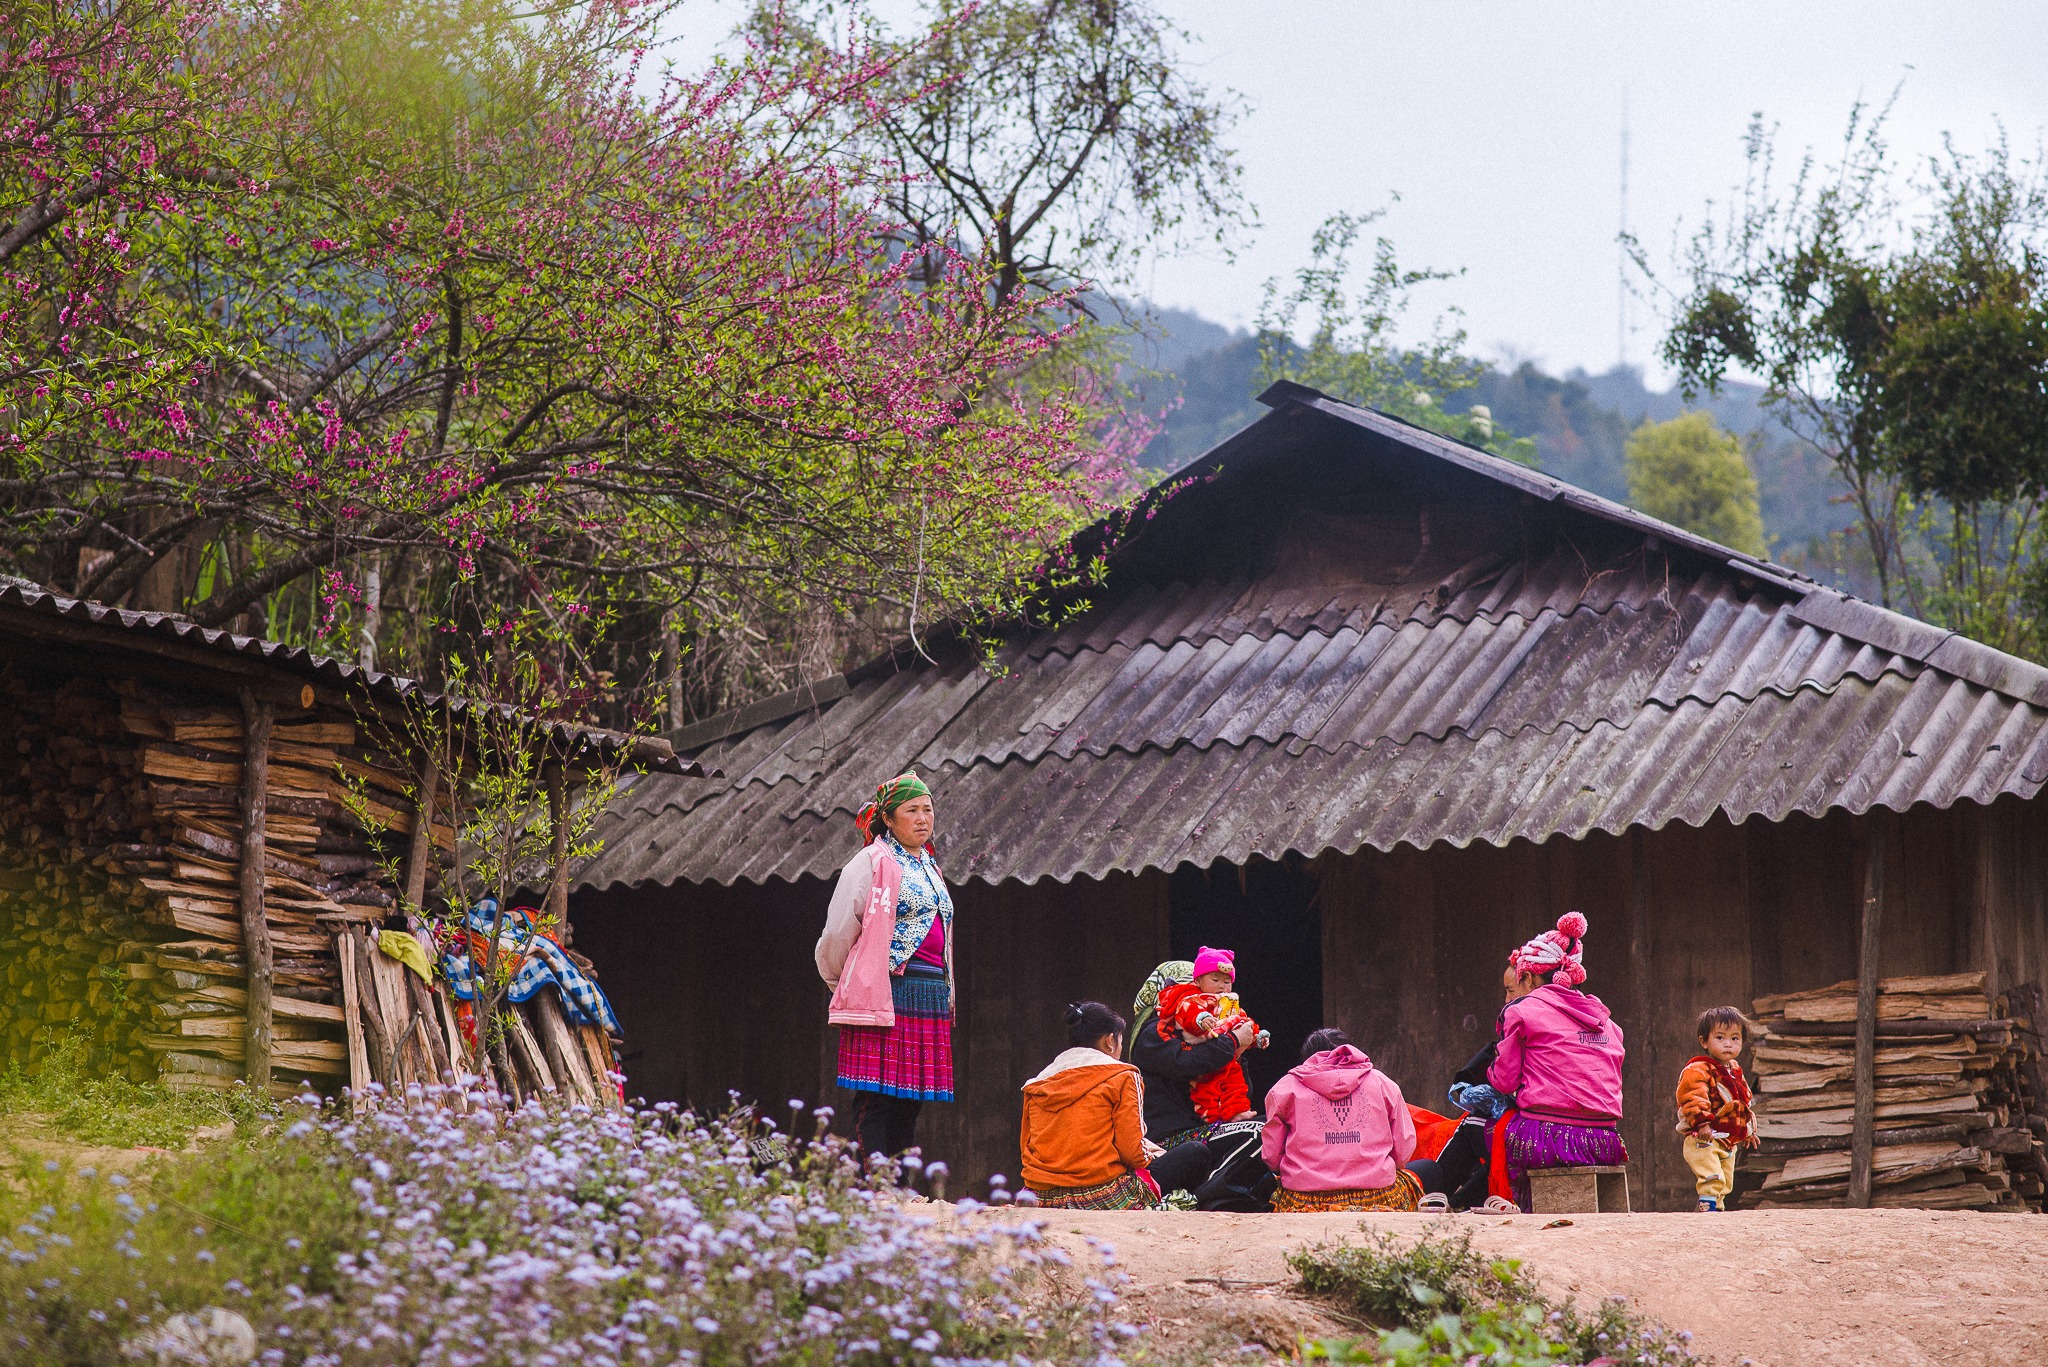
(853, 951)
(1337, 1124)
(1560, 1055)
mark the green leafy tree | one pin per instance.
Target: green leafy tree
(1900, 323)
(1690, 473)
(1337, 331)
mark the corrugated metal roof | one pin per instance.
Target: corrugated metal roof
(1553, 688)
(121, 624)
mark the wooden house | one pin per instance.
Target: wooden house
(1371, 708)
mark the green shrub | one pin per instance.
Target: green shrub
(1495, 1338)
(1395, 1285)
(1438, 1301)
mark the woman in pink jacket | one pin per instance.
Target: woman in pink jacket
(1337, 1132)
(887, 955)
(1559, 1056)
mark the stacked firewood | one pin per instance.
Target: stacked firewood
(73, 966)
(1957, 1091)
(120, 860)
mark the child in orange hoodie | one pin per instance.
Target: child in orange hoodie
(1083, 1140)
(1714, 1106)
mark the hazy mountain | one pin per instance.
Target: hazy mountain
(1580, 424)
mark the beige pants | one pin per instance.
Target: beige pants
(1713, 1163)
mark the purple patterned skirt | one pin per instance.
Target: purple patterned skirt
(1533, 1143)
(914, 1057)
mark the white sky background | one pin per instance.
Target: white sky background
(1499, 126)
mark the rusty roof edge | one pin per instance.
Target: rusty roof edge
(1349, 850)
(23, 596)
(1532, 482)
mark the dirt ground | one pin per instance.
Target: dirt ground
(1835, 1288)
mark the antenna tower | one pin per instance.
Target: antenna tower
(1621, 249)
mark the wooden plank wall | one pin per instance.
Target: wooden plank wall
(716, 991)
(1728, 913)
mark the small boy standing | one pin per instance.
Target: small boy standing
(1714, 1106)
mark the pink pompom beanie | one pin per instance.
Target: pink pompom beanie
(1211, 960)
(1557, 954)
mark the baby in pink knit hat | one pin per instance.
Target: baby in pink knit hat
(1202, 1009)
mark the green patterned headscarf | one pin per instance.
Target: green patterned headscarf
(893, 793)
(1146, 1007)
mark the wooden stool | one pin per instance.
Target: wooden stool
(1591, 1189)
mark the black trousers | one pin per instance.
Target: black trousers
(1184, 1166)
(1460, 1170)
(885, 1124)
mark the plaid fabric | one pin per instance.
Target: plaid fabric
(1404, 1194)
(541, 963)
(1127, 1192)
(914, 1057)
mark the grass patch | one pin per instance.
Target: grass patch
(1437, 1300)
(82, 1106)
(89, 1258)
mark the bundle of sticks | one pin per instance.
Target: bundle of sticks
(402, 1030)
(1958, 1101)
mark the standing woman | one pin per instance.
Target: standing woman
(887, 955)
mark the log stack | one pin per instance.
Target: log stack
(121, 825)
(1957, 1087)
(120, 920)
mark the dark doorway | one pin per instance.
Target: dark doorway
(1268, 913)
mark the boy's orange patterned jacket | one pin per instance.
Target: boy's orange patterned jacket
(1715, 1095)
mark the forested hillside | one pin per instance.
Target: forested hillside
(1580, 423)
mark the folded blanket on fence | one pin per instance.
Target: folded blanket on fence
(541, 962)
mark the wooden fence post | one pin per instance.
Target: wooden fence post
(1863, 1126)
(256, 719)
(558, 847)
(420, 852)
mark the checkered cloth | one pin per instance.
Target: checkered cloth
(1404, 1194)
(541, 963)
(1127, 1192)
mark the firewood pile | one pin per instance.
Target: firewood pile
(1960, 1120)
(120, 917)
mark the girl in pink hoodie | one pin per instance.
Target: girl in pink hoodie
(1337, 1132)
(1560, 1055)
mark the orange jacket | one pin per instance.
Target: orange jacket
(1716, 1096)
(1083, 1121)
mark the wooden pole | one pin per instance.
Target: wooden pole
(420, 853)
(1642, 1002)
(256, 718)
(1864, 1125)
(558, 847)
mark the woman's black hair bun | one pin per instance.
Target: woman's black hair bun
(1072, 1015)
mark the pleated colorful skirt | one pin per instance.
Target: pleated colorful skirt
(912, 1058)
(1127, 1192)
(1405, 1193)
(1533, 1143)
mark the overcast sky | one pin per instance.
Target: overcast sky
(1498, 124)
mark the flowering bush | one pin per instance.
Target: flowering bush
(563, 1235)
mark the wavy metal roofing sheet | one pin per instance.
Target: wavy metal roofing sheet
(297, 660)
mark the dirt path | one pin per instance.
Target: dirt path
(1776, 1288)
